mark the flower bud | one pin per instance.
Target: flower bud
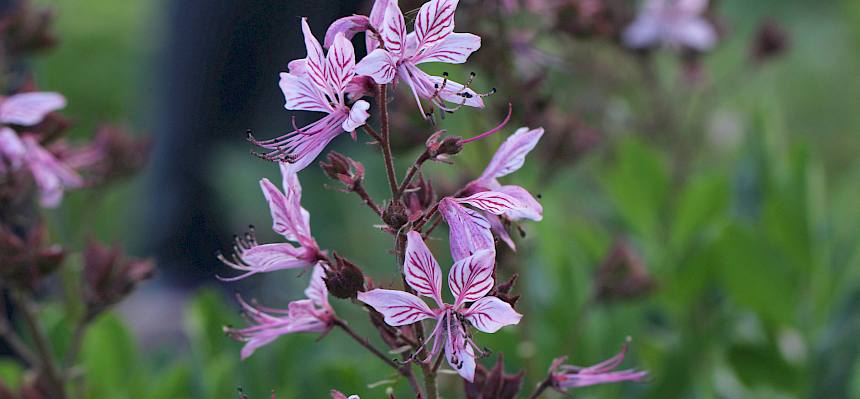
(770, 41)
(494, 383)
(109, 276)
(343, 279)
(419, 196)
(503, 291)
(25, 260)
(113, 154)
(439, 149)
(28, 28)
(343, 169)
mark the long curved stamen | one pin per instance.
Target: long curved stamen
(493, 130)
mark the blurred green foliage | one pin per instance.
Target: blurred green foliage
(755, 244)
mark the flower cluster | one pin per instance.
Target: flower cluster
(478, 215)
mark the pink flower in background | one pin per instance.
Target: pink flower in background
(52, 176)
(469, 280)
(399, 54)
(676, 23)
(509, 157)
(469, 229)
(335, 394)
(318, 83)
(565, 376)
(311, 315)
(290, 220)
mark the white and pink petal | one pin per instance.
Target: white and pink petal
(420, 268)
(489, 314)
(399, 308)
(512, 153)
(472, 277)
(28, 109)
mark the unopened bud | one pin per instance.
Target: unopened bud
(109, 275)
(343, 169)
(440, 149)
(343, 279)
(395, 215)
(770, 42)
(494, 383)
(503, 291)
(622, 275)
(25, 260)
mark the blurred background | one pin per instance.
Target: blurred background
(705, 204)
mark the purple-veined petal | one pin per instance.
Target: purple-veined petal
(317, 291)
(494, 202)
(420, 268)
(393, 30)
(531, 209)
(51, 175)
(348, 26)
(12, 150)
(28, 109)
(377, 15)
(298, 67)
(301, 94)
(379, 65)
(301, 308)
(489, 314)
(498, 228)
(512, 153)
(454, 49)
(357, 116)
(288, 217)
(399, 308)
(434, 22)
(315, 66)
(301, 146)
(270, 257)
(261, 335)
(472, 277)
(458, 352)
(469, 231)
(340, 66)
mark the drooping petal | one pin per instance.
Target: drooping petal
(469, 231)
(420, 268)
(348, 26)
(340, 66)
(458, 352)
(357, 116)
(51, 175)
(399, 308)
(494, 202)
(379, 65)
(489, 314)
(393, 30)
(472, 277)
(498, 228)
(264, 334)
(27, 109)
(317, 291)
(266, 258)
(512, 153)
(315, 66)
(454, 49)
(301, 94)
(12, 150)
(434, 22)
(531, 209)
(377, 15)
(569, 376)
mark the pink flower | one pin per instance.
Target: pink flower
(51, 175)
(335, 394)
(675, 23)
(290, 220)
(469, 229)
(399, 53)
(565, 376)
(311, 315)
(509, 158)
(319, 83)
(469, 280)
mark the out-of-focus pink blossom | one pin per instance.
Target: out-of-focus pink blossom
(28, 109)
(394, 53)
(469, 280)
(509, 157)
(676, 23)
(290, 220)
(310, 315)
(565, 376)
(318, 83)
(335, 394)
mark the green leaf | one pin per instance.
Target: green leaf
(110, 359)
(703, 201)
(11, 373)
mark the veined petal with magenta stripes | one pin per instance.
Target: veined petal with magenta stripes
(454, 49)
(399, 308)
(469, 230)
(494, 202)
(379, 65)
(348, 26)
(489, 314)
(435, 21)
(315, 65)
(420, 268)
(393, 30)
(472, 277)
(512, 153)
(340, 65)
(531, 209)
